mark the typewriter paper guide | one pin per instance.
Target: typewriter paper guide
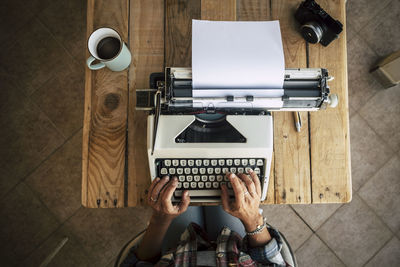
(246, 56)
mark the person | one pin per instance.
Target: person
(234, 234)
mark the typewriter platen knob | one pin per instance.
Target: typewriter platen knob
(333, 100)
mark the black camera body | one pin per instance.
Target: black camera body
(316, 24)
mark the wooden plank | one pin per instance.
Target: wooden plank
(178, 31)
(223, 10)
(259, 10)
(87, 109)
(271, 186)
(106, 97)
(146, 38)
(330, 144)
(292, 159)
(253, 10)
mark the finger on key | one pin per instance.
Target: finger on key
(249, 183)
(184, 202)
(237, 188)
(225, 198)
(166, 194)
(159, 186)
(242, 183)
(256, 181)
(153, 184)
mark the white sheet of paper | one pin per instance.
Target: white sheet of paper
(237, 55)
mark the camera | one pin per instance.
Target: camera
(317, 26)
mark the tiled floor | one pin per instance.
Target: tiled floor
(42, 48)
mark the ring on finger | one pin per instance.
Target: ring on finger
(246, 193)
(152, 199)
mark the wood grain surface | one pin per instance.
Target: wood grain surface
(330, 144)
(178, 31)
(218, 10)
(106, 94)
(146, 38)
(87, 110)
(291, 148)
(253, 10)
(312, 166)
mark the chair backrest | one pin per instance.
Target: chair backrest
(127, 247)
(287, 252)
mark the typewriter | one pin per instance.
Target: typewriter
(199, 139)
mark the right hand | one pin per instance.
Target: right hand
(160, 199)
(247, 199)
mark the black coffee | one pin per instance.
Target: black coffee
(108, 47)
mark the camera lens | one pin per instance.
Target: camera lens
(312, 32)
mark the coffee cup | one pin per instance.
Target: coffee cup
(106, 46)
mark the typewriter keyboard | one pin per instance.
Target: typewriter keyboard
(203, 177)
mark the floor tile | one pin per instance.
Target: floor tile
(354, 232)
(112, 262)
(360, 12)
(315, 253)
(35, 6)
(383, 33)
(286, 221)
(351, 112)
(33, 56)
(58, 180)
(29, 137)
(381, 193)
(368, 151)
(350, 33)
(62, 99)
(9, 89)
(70, 254)
(103, 232)
(315, 214)
(382, 113)
(69, 26)
(362, 85)
(388, 256)
(24, 223)
(12, 17)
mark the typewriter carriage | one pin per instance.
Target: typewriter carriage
(304, 90)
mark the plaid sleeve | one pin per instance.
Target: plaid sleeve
(271, 252)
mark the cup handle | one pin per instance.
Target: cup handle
(97, 66)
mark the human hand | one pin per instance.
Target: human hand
(247, 199)
(159, 199)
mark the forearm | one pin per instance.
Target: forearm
(259, 239)
(149, 248)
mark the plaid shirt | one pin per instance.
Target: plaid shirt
(230, 250)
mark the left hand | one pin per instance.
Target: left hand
(160, 199)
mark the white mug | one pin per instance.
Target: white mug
(106, 45)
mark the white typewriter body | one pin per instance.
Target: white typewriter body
(259, 144)
(198, 151)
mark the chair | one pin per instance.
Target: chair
(126, 248)
(287, 252)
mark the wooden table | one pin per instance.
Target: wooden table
(312, 166)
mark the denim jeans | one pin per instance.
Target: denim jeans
(211, 218)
